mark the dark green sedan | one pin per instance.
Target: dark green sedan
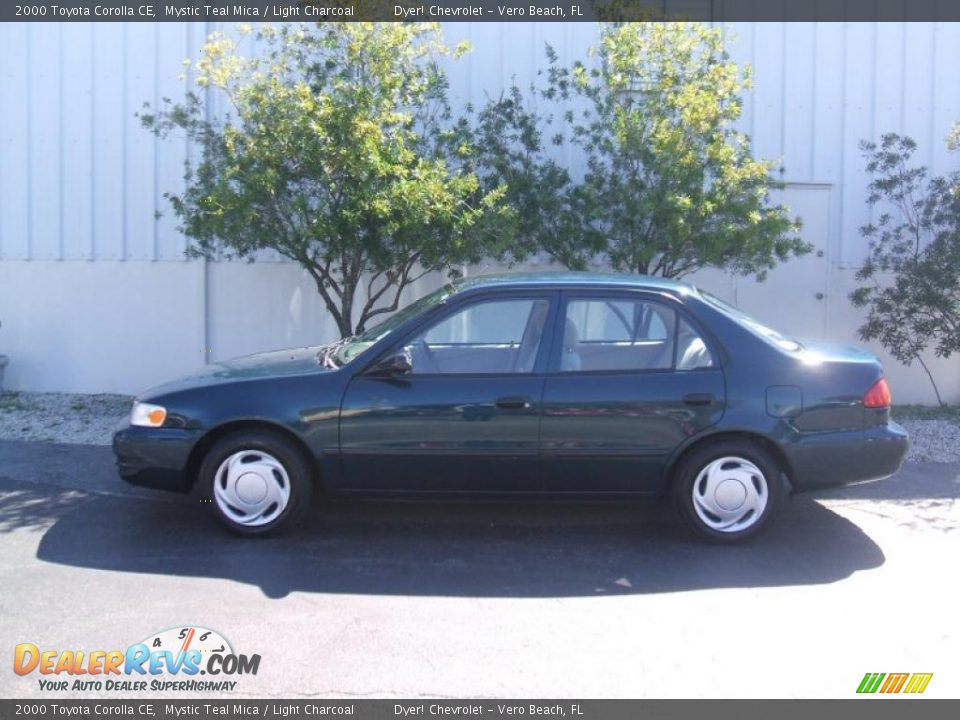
(566, 385)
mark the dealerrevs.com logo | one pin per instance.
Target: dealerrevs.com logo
(172, 660)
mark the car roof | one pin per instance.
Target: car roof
(566, 279)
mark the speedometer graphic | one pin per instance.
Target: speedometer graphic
(193, 637)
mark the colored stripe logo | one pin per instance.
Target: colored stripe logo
(894, 682)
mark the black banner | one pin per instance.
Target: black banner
(478, 10)
(877, 709)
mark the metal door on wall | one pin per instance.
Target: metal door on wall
(793, 299)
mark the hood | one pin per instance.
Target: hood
(278, 363)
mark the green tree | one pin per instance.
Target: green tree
(669, 185)
(911, 277)
(336, 150)
(512, 157)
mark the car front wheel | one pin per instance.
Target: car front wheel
(257, 481)
(727, 491)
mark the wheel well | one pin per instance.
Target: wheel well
(203, 445)
(766, 443)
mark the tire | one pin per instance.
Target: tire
(258, 482)
(727, 491)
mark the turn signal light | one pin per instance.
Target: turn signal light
(146, 415)
(878, 396)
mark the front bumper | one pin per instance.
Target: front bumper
(154, 457)
(842, 458)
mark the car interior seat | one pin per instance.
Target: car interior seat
(692, 352)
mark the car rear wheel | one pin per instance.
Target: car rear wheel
(727, 491)
(257, 481)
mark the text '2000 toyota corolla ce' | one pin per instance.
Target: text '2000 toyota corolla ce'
(561, 384)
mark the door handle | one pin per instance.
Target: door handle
(513, 403)
(699, 399)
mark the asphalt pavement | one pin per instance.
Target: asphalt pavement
(381, 599)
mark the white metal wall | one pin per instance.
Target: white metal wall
(81, 181)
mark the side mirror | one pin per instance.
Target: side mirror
(396, 363)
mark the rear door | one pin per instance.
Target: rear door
(630, 378)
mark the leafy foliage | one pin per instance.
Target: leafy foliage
(337, 151)
(670, 185)
(915, 244)
(512, 155)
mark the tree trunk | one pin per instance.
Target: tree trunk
(932, 382)
(345, 324)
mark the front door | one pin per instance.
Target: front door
(466, 419)
(631, 379)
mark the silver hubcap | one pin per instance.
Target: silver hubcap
(251, 488)
(730, 494)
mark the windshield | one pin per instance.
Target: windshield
(350, 348)
(758, 328)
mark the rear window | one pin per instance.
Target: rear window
(609, 334)
(755, 326)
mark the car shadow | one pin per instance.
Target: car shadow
(922, 497)
(917, 481)
(475, 549)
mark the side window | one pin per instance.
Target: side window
(616, 334)
(493, 336)
(692, 351)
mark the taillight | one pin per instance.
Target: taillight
(878, 396)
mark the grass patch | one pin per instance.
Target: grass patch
(927, 412)
(10, 401)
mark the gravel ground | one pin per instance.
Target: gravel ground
(62, 417)
(932, 440)
(91, 420)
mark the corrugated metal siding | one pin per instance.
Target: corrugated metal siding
(80, 179)
(821, 88)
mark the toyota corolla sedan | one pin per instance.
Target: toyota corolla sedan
(567, 385)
